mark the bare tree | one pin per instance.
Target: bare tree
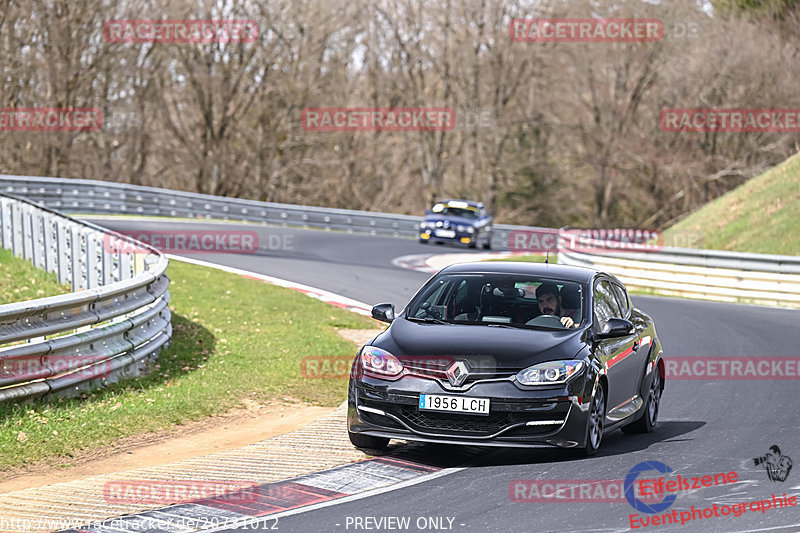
(546, 133)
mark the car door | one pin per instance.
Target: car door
(641, 348)
(616, 353)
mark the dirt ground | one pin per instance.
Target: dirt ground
(230, 431)
(233, 430)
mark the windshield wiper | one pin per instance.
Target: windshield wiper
(428, 320)
(498, 324)
(504, 325)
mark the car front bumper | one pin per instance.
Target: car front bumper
(517, 418)
(459, 237)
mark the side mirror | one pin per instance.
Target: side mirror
(383, 312)
(616, 327)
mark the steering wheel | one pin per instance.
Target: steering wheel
(550, 321)
(434, 311)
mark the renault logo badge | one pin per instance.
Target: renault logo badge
(457, 373)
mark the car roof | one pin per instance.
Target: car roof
(563, 272)
(468, 202)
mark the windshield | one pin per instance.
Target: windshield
(493, 299)
(448, 210)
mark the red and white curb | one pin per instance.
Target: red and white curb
(262, 506)
(432, 263)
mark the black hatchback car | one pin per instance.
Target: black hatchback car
(508, 354)
(457, 221)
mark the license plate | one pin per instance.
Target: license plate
(446, 233)
(454, 404)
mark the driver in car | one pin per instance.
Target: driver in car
(549, 300)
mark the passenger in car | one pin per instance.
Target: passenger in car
(549, 300)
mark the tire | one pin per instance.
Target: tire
(596, 424)
(368, 442)
(488, 244)
(473, 244)
(423, 241)
(647, 422)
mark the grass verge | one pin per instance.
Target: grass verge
(234, 339)
(758, 216)
(21, 281)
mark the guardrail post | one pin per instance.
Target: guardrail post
(76, 255)
(63, 253)
(28, 238)
(38, 239)
(50, 243)
(110, 260)
(94, 272)
(6, 233)
(139, 265)
(16, 236)
(125, 266)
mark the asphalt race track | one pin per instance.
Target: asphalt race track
(705, 426)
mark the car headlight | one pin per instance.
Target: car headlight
(380, 362)
(550, 373)
(460, 228)
(470, 229)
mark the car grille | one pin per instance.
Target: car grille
(455, 423)
(499, 418)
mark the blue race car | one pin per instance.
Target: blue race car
(457, 221)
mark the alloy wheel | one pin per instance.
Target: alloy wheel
(598, 416)
(655, 397)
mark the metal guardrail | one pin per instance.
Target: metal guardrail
(726, 276)
(705, 274)
(110, 328)
(100, 197)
